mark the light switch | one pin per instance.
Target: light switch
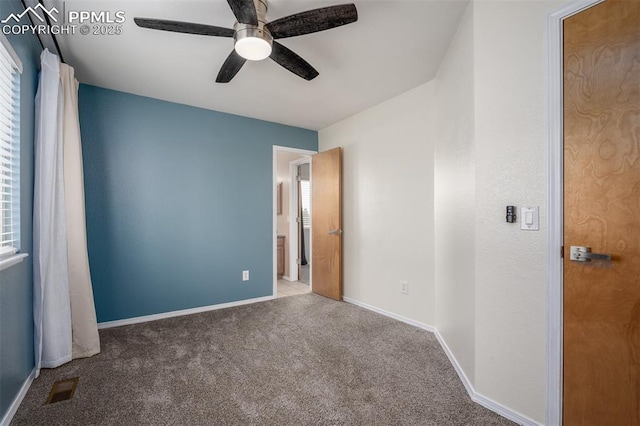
(530, 218)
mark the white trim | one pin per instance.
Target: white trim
(478, 398)
(154, 317)
(292, 241)
(463, 376)
(4, 41)
(554, 128)
(13, 408)
(286, 278)
(13, 260)
(295, 150)
(505, 412)
(274, 211)
(475, 396)
(400, 318)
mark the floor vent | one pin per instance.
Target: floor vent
(62, 390)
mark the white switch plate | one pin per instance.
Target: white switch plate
(529, 218)
(404, 287)
(245, 275)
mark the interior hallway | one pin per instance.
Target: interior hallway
(292, 288)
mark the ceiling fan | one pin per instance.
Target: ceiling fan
(255, 37)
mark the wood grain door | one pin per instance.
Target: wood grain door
(602, 211)
(326, 223)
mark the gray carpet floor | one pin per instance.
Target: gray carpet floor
(299, 360)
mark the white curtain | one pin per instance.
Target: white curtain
(64, 313)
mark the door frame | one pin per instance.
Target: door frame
(293, 226)
(274, 207)
(555, 190)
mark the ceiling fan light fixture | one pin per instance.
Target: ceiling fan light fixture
(253, 48)
(252, 43)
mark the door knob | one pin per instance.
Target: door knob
(583, 254)
(335, 232)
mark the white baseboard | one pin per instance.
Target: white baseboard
(154, 317)
(13, 408)
(475, 396)
(452, 359)
(286, 278)
(488, 403)
(390, 314)
(505, 412)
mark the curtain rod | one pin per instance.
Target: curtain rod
(48, 39)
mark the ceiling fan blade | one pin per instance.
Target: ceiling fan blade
(230, 67)
(313, 21)
(291, 61)
(183, 27)
(244, 11)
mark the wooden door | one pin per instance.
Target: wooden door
(602, 211)
(326, 223)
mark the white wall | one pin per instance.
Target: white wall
(388, 203)
(509, 86)
(455, 198)
(474, 139)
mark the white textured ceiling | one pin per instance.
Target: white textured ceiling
(395, 46)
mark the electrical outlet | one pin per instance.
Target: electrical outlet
(404, 287)
(245, 275)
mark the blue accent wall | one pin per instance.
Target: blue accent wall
(179, 202)
(16, 282)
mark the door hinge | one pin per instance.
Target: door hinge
(298, 178)
(298, 219)
(562, 252)
(299, 261)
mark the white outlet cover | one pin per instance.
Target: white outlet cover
(245, 275)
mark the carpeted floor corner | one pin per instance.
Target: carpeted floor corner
(300, 360)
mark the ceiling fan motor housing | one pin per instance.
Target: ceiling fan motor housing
(249, 32)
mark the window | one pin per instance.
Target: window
(10, 69)
(305, 195)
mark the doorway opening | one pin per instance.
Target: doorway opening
(292, 221)
(300, 227)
